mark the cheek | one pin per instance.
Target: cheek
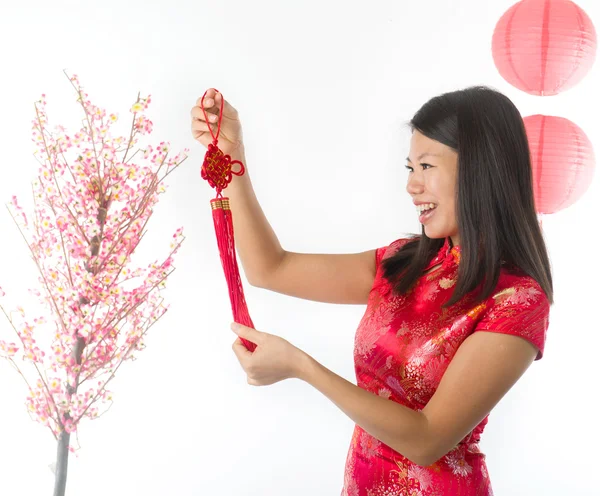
(448, 192)
(452, 207)
(449, 208)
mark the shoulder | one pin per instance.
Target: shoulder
(391, 249)
(514, 285)
(517, 306)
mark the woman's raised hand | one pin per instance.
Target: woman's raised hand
(230, 136)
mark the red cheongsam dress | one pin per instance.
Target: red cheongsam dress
(402, 347)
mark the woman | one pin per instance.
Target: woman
(454, 316)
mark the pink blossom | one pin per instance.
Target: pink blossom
(8, 349)
(93, 196)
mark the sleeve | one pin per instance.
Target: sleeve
(389, 250)
(379, 253)
(520, 310)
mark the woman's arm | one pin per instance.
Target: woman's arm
(484, 369)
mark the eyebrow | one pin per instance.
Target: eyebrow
(425, 155)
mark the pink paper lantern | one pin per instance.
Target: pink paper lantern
(562, 160)
(544, 47)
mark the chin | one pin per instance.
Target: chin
(434, 233)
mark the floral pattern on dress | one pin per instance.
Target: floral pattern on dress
(403, 346)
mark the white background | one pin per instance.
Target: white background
(324, 89)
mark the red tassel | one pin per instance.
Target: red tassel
(225, 240)
(216, 169)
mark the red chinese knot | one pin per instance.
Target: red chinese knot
(216, 168)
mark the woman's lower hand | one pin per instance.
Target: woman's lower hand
(274, 359)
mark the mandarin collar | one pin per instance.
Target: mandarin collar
(448, 254)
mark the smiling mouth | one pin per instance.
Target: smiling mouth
(427, 214)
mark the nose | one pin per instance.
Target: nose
(414, 185)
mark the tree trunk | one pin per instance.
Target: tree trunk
(62, 451)
(62, 464)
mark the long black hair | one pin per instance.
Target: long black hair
(496, 217)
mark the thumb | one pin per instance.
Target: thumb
(246, 332)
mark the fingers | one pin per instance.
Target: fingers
(208, 113)
(210, 95)
(241, 352)
(198, 115)
(201, 132)
(202, 127)
(212, 101)
(236, 347)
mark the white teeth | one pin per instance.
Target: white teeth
(425, 206)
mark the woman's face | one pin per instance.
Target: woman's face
(432, 172)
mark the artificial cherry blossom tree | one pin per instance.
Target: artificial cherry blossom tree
(92, 201)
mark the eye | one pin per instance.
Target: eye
(424, 165)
